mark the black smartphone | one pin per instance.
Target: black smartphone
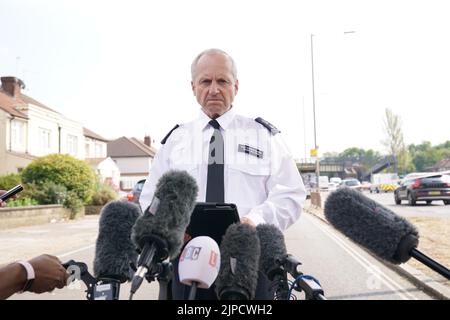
(8, 194)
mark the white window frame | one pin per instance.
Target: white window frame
(45, 139)
(72, 144)
(18, 135)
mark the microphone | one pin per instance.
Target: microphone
(199, 264)
(159, 232)
(273, 253)
(114, 250)
(276, 263)
(375, 227)
(238, 275)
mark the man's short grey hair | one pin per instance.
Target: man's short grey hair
(212, 52)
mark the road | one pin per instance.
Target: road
(344, 270)
(436, 209)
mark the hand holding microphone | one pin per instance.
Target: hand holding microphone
(199, 264)
(114, 252)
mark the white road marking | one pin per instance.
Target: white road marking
(75, 251)
(390, 283)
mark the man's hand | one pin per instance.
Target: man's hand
(247, 221)
(49, 274)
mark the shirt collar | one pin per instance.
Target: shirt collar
(224, 120)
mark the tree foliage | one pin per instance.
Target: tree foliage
(63, 170)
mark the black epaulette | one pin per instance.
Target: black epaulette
(272, 129)
(163, 141)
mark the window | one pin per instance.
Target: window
(98, 150)
(72, 145)
(87, 150)
(44, 140)
(17, 135)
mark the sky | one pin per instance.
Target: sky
(122, 68)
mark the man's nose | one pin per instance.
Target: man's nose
(213, 88)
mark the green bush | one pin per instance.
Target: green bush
(23, 202)
(63, 170)
(102, 195)
(46, 193)
(9, 181)
(73, 203)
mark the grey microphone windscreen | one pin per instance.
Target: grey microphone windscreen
(240, 252)
(114, 249)
(169, 214)
(273, 247)
(371, 225)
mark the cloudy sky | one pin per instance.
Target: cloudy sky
(122, 68)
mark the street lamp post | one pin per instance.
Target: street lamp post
(314, 110)
(314, 115)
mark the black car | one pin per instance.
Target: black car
(429, 188)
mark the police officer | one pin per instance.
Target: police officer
(234, 159)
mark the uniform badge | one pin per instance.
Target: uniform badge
(250, 150)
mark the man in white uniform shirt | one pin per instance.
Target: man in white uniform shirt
(234, 159)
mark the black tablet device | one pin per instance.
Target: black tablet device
(212, 220)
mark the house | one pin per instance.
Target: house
(134, 159)
(29, 129)
(442, 165)
(107, 170)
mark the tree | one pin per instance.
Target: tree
(394, 140)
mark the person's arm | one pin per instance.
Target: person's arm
(12, 279)
(159, 166)
(48, 275)
(286, 191)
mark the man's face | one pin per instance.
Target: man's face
(214, 85)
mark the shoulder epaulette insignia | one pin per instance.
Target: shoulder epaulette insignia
(272, 129)
(163, 141)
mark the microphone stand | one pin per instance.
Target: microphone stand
(104, 288)
(163, 272)
(312, 289)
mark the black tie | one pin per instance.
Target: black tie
(215, 182)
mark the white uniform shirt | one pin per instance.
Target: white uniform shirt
(260, 175)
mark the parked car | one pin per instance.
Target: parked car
(365, 186)
(134, 194)
(429, 188)
(336, 180)
(350, 183)
(332, 186)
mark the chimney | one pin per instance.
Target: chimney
(12, 86)
(147, 141)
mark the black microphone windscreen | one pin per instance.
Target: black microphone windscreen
(169, 214)
(240, 252)
(273, 247)
(114, 249)
(371, 225)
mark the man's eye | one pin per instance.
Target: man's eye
(222, 81)
(205, 81)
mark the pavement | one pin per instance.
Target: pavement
(418, 278)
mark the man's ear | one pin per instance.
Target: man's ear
(193, 87)
(236, 86)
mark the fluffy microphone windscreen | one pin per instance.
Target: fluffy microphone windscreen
(272, 247)
(114, 249)
(240, 252)
(172, 206)
(371, 225)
